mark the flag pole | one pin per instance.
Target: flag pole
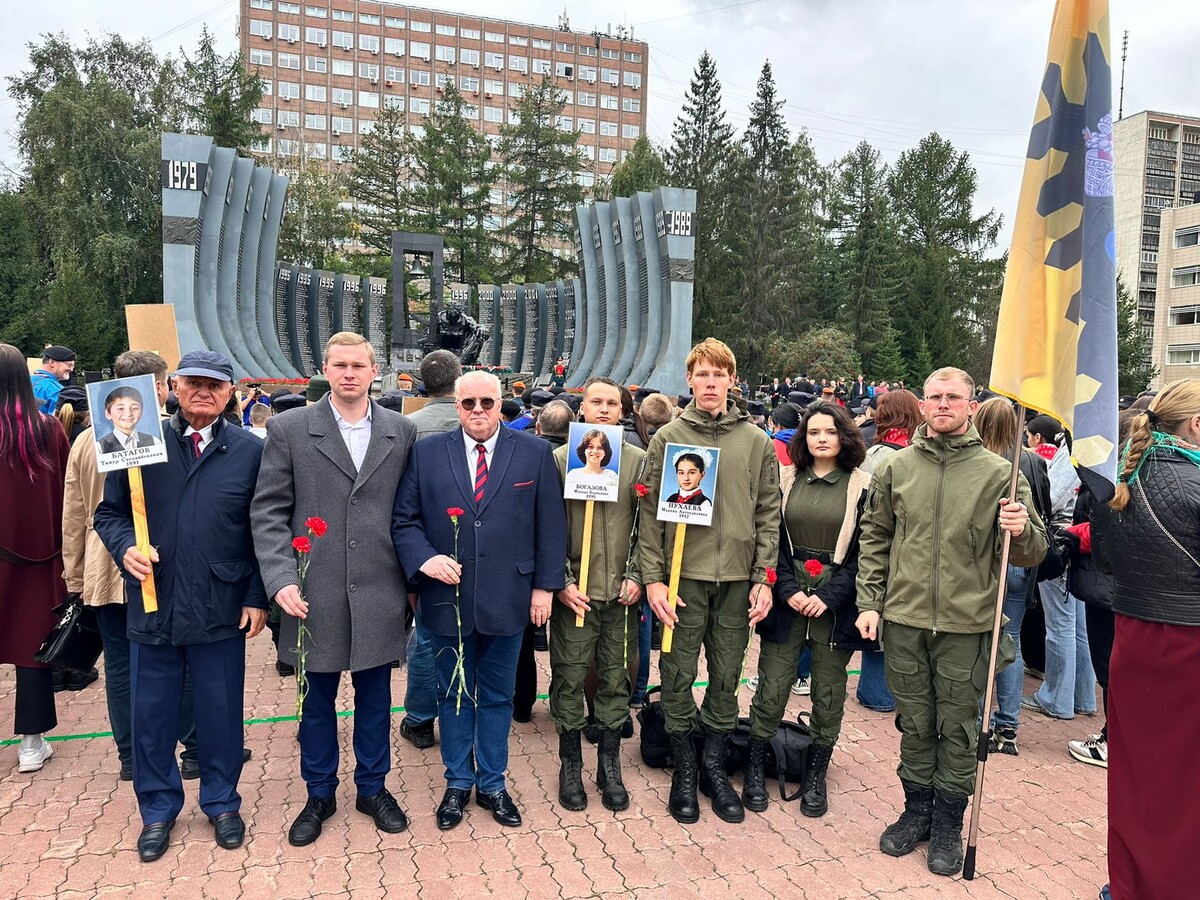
(985, 728)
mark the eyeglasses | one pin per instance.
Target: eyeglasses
(468, 403)
(949, 398)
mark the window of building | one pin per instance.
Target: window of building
(1185, 315)
(585, 50)
(341, 124)
(1185, 277)
(568, 97)
(632, 57)
(343, 97)
(631, 104)
(313, 120)
(632, 132)
(317, 12)
(419, 105)
(260, 57)
(316, 151)
(289, 118)
(539, 44)
(564, 70)
(259, 28)
(587, 73)
(261, 145)
(368, 42)
(609, 53)
(441, 80)
(445, 29)
(268, 87)
(585, 179)
(368, 70)
(492, 86)
(494, 60)
(444, 54)
(343, 15)
(341, 153)
(393, 74)
(494, 37)
(343, 67)
(586, 99)
(292, 8)
(260, 4)
(343, 39)
(1187, 237)
(262, 116)
(469, 83)
(289, 90)
(418, 131)
(288, 148)
(1183, 355)
(564, 48)
(470, 111)
(517, 41)
(608, 154)
(414, 25)
(633, 80)
(317, 36)
(316, 64)
(368, 99)
(470, 58)
(392, 22)
(393, 46)
(587, 151)
(518, 63)
(419, 49)
(288, 60)
(418, 77)
(315, 92)
(364, 19)
(541, 67)
(608, 129)
(393, 101)
(514, 117)
(608, 101)
(564, 123)
(471, 34)
(609, 76)
(493, 114)
(289, 33)
(587, 126)
(366, 126)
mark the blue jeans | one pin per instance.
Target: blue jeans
(480, 720)
(645, 636)
(872, 690)
(804, 664)
(1010, 681)
(1070, 685)
(421, 695)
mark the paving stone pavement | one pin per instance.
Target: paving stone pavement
(69, 831)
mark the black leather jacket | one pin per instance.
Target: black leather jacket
(1085, 580)
(1155, 580)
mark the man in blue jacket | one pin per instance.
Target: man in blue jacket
(210, 598)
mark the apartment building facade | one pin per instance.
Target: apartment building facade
(1157, 161)
(1176, 348)
(331, 65)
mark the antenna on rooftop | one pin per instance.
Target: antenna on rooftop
(1124, 53)
(564, 23)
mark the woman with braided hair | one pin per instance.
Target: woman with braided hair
(1149, 538)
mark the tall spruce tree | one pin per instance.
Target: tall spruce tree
(701, 158)
(542, 165)
(642, 170)
(450, 188)
(378, 180)
(220, 95)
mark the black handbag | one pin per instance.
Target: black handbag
(74, 642)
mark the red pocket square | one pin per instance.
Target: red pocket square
(523, 484)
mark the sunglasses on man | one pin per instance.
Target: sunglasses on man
(468, 403)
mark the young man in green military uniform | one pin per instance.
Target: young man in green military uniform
(723, 588)
(929, 564)
(610, 609)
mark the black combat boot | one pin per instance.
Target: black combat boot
(682, 803)
(754, 786)
(945, 843)
(714, 781)
(813, 802)
(608, 771)
(570, 776)
(902, 836)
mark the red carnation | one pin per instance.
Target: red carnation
(454, 512)
(316, 525)
(813, 568)
(301, 544)
(772, 575)
(641, 489)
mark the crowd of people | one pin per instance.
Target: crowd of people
(847, 517)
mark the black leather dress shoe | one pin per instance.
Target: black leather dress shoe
(230, 830)
(450, 810)
(189, 766)
(307, 827)
(503, 809)
(384, 809)
(152, 842)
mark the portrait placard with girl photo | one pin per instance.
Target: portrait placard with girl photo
(593, 462)
(687, 496)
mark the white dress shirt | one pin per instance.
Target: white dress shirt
(357, 436)
(473, 455)
(206, 434)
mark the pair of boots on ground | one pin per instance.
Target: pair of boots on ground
(608, 771)
(930, 814)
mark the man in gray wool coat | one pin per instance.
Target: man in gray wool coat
(340, 460)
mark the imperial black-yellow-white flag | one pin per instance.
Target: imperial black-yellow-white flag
(1056, 339)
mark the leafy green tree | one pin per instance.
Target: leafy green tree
(823, 352)
(220, 95)
(541, 165)
(1135, 369)
(22, 275)
(451, 184)
(379, 180)
(642, 170)
(947, 280)
(315, 221)
(701, 157)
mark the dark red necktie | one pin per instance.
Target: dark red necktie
(197, 437)
(480, 472)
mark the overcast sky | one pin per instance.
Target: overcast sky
(887, 71)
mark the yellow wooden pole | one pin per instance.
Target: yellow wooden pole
(141, 530)
(673, 585)
(589, 512)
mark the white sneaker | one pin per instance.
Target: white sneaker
(752, 682)
(1093, 750)
(34, 758)
(801, 687)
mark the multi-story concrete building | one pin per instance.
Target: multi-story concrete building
(1157, 161)
(330, 65)
(1176, 351)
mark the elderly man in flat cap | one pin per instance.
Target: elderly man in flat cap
(210, 599)
(58, 363)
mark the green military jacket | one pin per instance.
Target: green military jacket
(929, 554)
(743, 541)
(612, 529)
